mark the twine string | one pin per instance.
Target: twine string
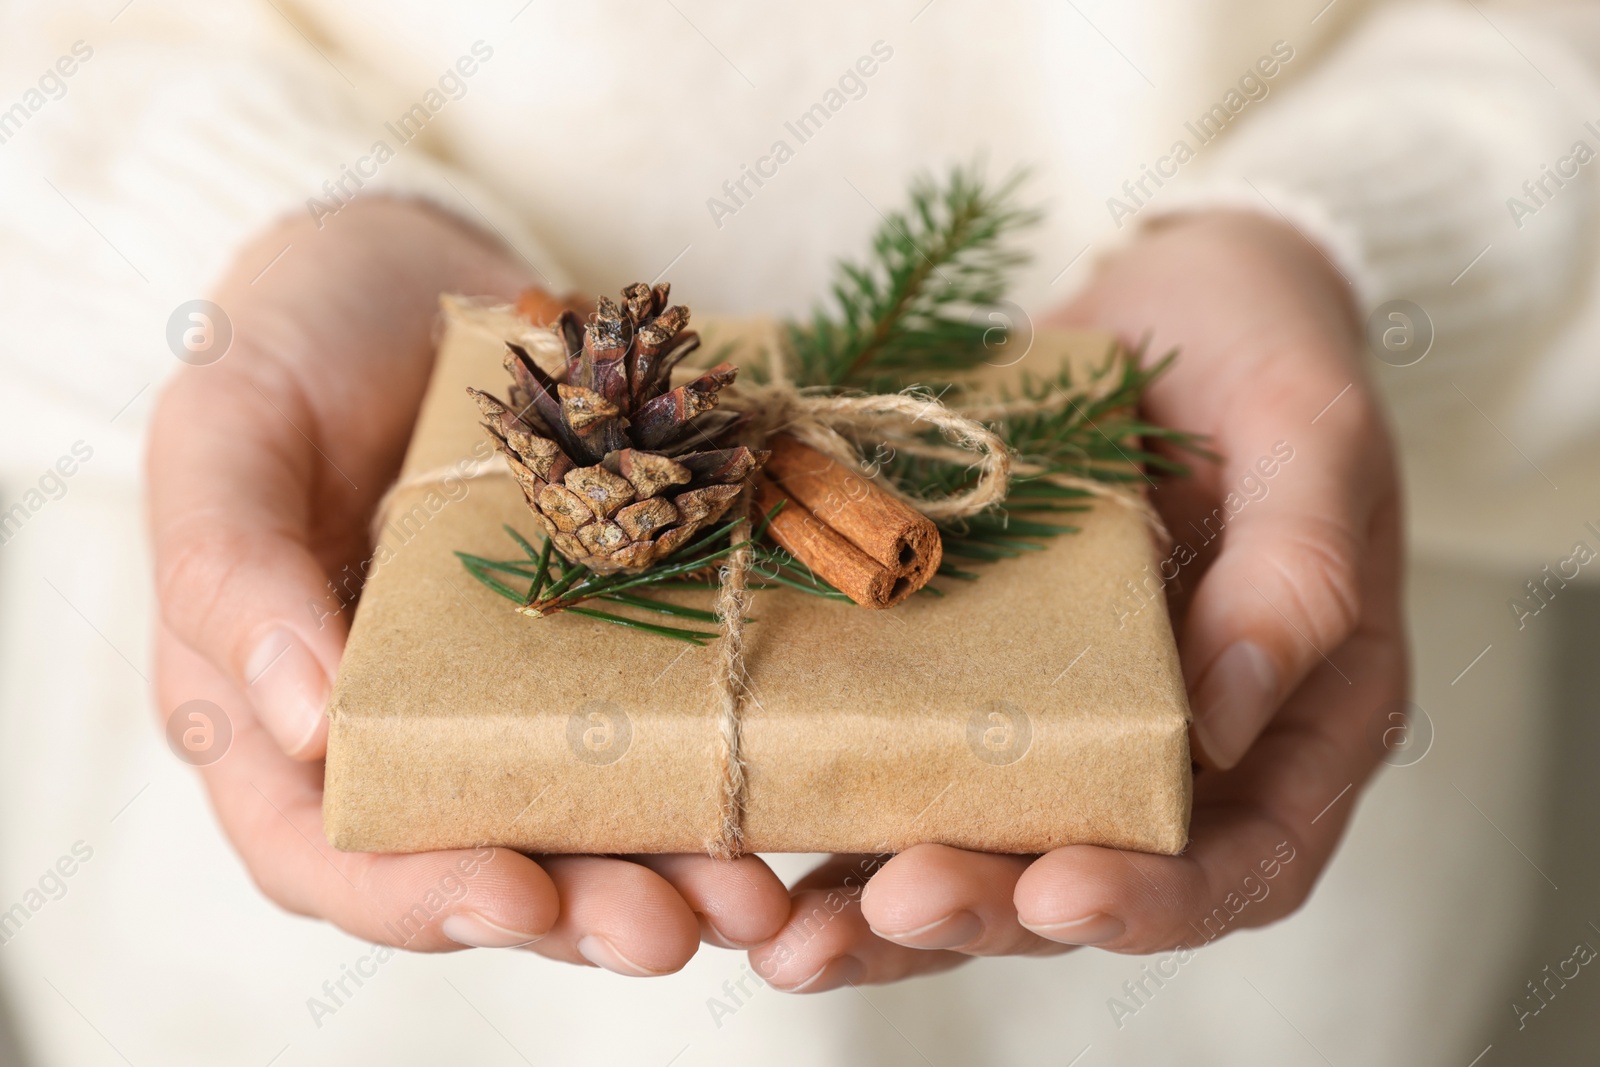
(732, 687)
(467, 470)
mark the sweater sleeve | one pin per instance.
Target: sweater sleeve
(1439, 155)
(147, 146)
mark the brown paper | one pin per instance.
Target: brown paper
(1039, 706)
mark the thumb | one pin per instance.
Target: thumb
(1294, 514)
(231, 480)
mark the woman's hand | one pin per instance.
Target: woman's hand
(264, 469)
(1289, 627)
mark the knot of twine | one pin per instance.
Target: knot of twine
(839, 426)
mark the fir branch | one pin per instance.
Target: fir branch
(908, 312)
(692, 566)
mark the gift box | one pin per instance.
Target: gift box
(1041, 705)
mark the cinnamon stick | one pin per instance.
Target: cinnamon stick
(832, 558)
(852, 534)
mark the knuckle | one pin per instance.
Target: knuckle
(1318, 566)
(197, 564)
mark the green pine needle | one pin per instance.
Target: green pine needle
(693, 637)
(523, 542)
(494, 584)
(661, 607)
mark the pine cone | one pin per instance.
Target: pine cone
(620, 468)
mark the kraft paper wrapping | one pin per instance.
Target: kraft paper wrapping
(1039, 706)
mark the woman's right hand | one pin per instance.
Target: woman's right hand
(264, 470)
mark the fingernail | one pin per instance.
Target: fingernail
(711, 935)
(1234, 701)
(470, 928)
(1094, 929)
(839, 971)
(602, 953)
(288, 687)
(952, 931)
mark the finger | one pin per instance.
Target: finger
(1293, 514)
(826, 944)
(271, 808)
(938, 897)
(738, 903)
(1261, 833)
(1245, 867)
(230, 489)
(620, 916)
